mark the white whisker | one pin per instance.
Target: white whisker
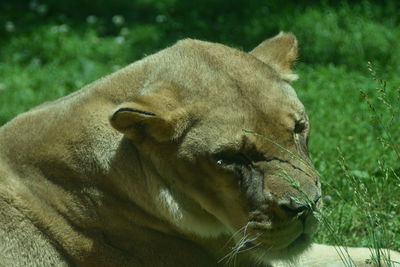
(240, 247)
(236, 233)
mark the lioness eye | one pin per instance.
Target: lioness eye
(229, 158)
(299, 127)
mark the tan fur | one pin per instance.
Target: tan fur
(188, 157)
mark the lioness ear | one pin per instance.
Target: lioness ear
(149, 116)
(280, 52)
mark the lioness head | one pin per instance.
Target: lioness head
(222, 138)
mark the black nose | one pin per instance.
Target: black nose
(296, 206)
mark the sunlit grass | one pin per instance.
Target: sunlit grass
(356, 155)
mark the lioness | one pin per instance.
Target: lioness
(194, 156)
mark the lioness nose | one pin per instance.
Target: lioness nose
(295, 206)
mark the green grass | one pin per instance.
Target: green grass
(353, 146)
(352, 151)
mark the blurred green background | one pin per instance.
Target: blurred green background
(50, 48)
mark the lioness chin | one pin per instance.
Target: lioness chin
(194, 156)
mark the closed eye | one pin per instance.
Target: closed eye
(230, 158)
(238, 158)
(299, 127)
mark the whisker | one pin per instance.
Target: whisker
(231, 254)
(250, 248)
(240, 247)
(236, 233)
